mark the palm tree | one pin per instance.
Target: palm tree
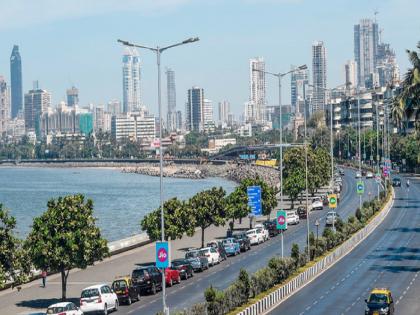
(406, 105)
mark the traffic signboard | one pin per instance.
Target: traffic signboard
(162, 254)
(281, 220)
(378, 178)
(332, 200)
(360, 188)
(254, 199)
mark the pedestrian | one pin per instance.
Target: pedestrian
(44, 278)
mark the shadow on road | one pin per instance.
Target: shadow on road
(396, 269)
(405, 230)
(44, 303)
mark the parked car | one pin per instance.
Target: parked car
(212, 255)
(63, 308)
(198, 260)
(184, 266)
(98, 298)
(332, 217)
(172, 276)
(363, 173)
(301, 212)
(148, 278)
(232, 247)
(125, 290)
(264, 231)
(255, 236)
(271, 226)
(341, 171)
(396, 182)
(219, 247)
(243, 240)
(317, 204)
(292, 217)
(369, 175)
(325, 200)
(358, 174)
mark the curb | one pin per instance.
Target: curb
(277, 297)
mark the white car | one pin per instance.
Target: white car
(255, 236)
(264, 231)
(292, 217)
(98, 298)
(332, 217)
(369, 175)
(317, 204)
(358, 175)
(64, 308)
(212, 255)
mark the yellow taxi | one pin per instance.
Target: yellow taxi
(125, 290)
(380, 302)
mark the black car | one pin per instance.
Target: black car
(301, 212)
(147, 278)
(184, 266)
(396, 182)
(243, 240)
(271, 227)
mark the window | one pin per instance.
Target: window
(90, 293)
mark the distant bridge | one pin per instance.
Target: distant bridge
(235, 151)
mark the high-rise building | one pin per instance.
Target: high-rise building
(171, 92)
(37, 101)
(257, 90)
(4, 107)
(208, 115)
(299, 85)
(16, 81)
(387, 66)
(224, 111)
(179, 120)
(319, 76)
(194, 111)
(131, 80)
(351, 74)
(366, 39)
(72, 96)
(114, 107)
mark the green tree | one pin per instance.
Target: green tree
(237, 204)
(13, 260)
(179, 219)
(208, 207)
(294, 184)
(65, 236)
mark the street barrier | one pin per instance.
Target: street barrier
(294, 285)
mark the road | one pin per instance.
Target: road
(32, 299)
(389, 257)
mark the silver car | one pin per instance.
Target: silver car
(332, 217)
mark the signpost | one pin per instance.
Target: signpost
(360, 188)
(281, 220)
(332, 200)
(162, 255)
(254, 199)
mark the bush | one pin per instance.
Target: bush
(244, 286)
(262, 280)
(295, 254)
(359, 214)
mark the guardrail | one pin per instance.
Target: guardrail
(294, 285)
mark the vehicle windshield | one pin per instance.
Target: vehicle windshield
(138, 273)
(191, 254)
(90, 293)
(178, 263)
(55, 310)
(119, 285)
(378, 298)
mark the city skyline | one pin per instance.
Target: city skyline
(232, 67)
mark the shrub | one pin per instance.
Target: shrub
(262, 280)
(359, 214)
(295, 253)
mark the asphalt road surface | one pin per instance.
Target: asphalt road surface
(389, 257)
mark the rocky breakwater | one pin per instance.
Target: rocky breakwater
(267, 174)
(184, 171)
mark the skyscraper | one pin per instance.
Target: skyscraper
(37, 101)
(4, 107)
(131, 80)
(72, 96)
(319, 76)
(194, 110)
(171, 90)
(208, 115)
(366, 39)
(16, 81)
(351, 74)
(224, 111)
(257, 90)
(299, 84)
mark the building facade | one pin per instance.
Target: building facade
(4, 107)
(16, 82)
(194, 111)
(208, 120)
(298, 86)
(224, 111)
(131, 80)
(72, 96)
(134, 127)
(257, 87)
(350, 69)
(37, 101)
(171, 97)
(319, 76)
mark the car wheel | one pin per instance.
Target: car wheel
(170, 283)
(129, 300)
(105, 312)
(153, 290)
(116, 305)
(138, 296)
(179, 279)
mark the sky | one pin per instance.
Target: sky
(74, 42)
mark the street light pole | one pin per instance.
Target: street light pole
(360, 160)
(158, 50)
(316, 244)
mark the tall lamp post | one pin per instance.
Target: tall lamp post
(280, 76)
(317, 226)
(159, 50)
